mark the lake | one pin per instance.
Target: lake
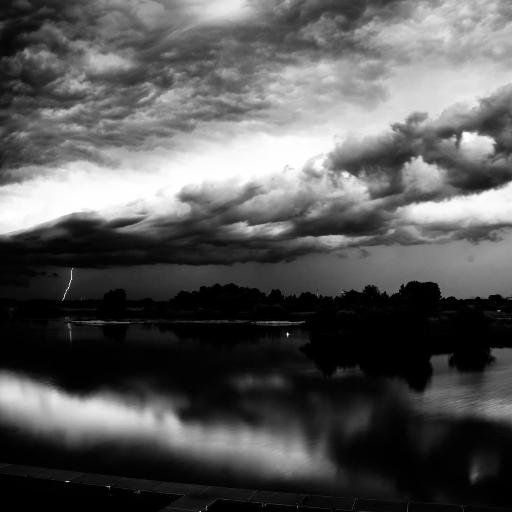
(240, 406)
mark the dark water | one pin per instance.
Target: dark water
(247, 408)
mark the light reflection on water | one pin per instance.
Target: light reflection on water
(476, 394)
(46, 411)
(252, 411)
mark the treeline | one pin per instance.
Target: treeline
(383, 334)
(232, 301)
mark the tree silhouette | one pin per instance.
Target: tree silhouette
(420, 296)
(275, 297)
(114, 302)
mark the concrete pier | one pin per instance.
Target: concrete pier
(90, 491)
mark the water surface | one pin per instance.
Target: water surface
(246, 407)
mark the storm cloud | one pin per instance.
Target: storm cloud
(83, 77)
(362, 193)
(101, 82)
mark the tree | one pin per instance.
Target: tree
(114, 301)
(307, 301)
(497, 300)
(424, 296)
(351, 298)
(371, 295)
(451, 302)
(275, 297)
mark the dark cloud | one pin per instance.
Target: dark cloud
(329, 206)
(381, 159)
(352, 199)
(81, 77)
(19, 274)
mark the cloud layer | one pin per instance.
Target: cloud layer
(82, 78)
(369, 191)
(82, 81)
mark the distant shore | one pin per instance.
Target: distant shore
(266, 323)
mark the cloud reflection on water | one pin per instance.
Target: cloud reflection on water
(44, 410)
(253, 412)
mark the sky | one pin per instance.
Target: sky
(159, 145)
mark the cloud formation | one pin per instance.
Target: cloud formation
(84, 81)
(82, 78)
(384, 189)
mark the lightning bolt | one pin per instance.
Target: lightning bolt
(69, 284)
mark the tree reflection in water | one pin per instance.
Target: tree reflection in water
(174, 404)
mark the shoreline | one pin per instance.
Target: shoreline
(262, 323)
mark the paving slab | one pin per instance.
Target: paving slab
(329, 502)
(475, 508)
(279, 508)
(59, 475)
(170, 508)
(184, 497)
(192, 503)
(22, 470)
(379, 506)
(235, 506)
(277, 498)
(136, 484)
(96, 479)
(180, 488)
(415, 506)
(230, 493)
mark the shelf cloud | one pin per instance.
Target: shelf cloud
(364, 192)
(89, 87)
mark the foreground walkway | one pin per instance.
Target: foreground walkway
(34, 488)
